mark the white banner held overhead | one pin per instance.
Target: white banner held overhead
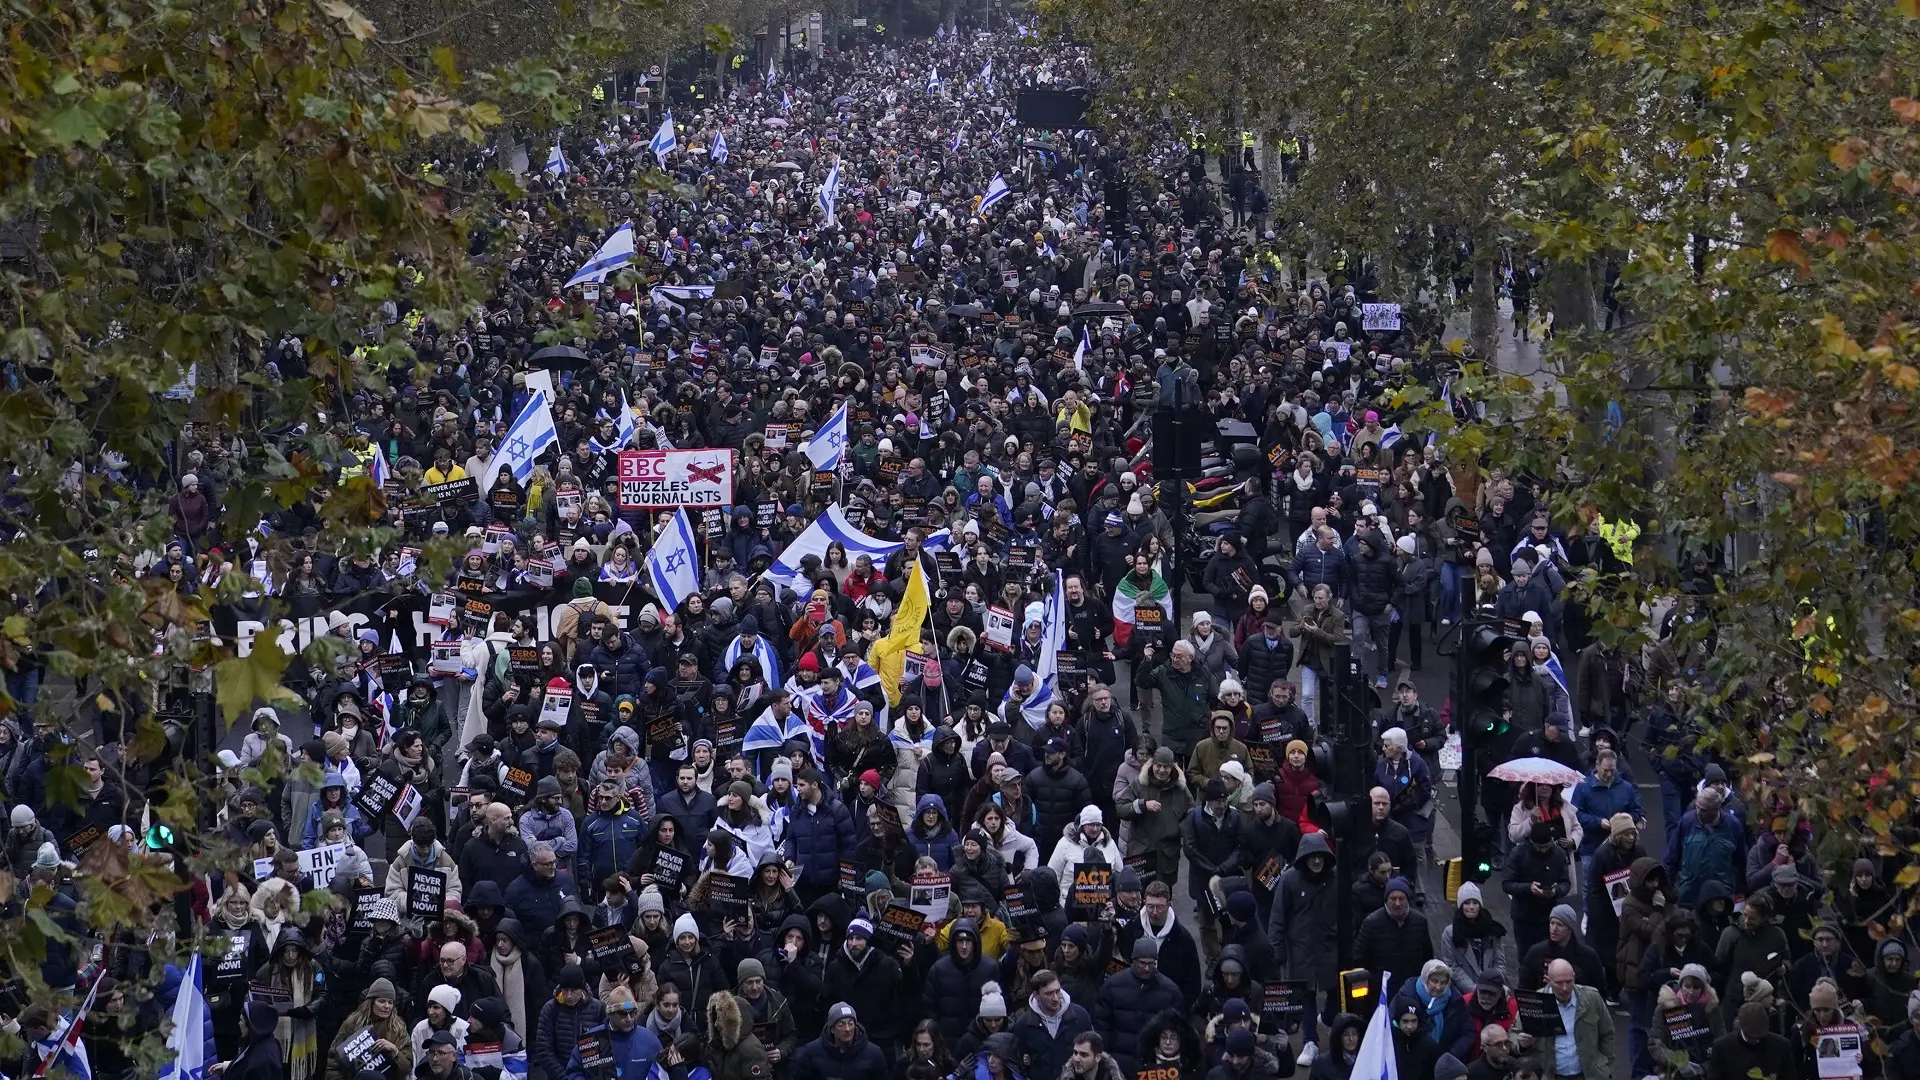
(663, 478)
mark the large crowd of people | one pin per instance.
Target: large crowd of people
(978, 878)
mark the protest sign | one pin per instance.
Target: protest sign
(931, 895)
(1379, 316)
(426, 894)
(1539, 1013)
(1283, 1005)
(663, 478)
(900, 925)
(1092, 886)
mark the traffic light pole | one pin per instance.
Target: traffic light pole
(1352, 815)
(1479, 689)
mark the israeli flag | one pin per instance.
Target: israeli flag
(766, 733)
(933, 81)
(188, 1040)
(786, 101)
(762, 651)
(1053, 636)
(381, 473)
(532, 432)
(614, 254)
(828, 443)
(1046, 250)
(921, 240)
(830, 190)
(830, 526)
(1376, 1059)
(955, 147)
(1389, 436)
(556, 162)
(673, 564)
(996, 191)
(986, 72)
(718, 155)
(770, 75)
(664, 140)
(624, 429)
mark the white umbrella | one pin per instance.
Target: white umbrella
(1536, 770)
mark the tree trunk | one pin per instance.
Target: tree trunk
(1484, 303)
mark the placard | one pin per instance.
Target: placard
(233, 965)
(776, 437)
(440, 608)
(378, 792)
(270, 994)
(1616, 885)
(1379, 316)
(728, 894)
(453, 491)
(317, 863)
(1682, 1026)
(850, 886)
(669, 864)
(81, 839)
(445, 659)
(1283, 1005)
(612, 950)
(1268, 873)
(1023, 558)
(663, 730)
(408, 805)
(523, 660)
(1092, 886)
(900, 924)
(1022, 916)
(426, 893)
(594, 1048)
(928, 356)
(931, 895)
(667, 478)
(556, 705)
(1260, 758)
(1144, 865)
(517, 785)
(998, 623)
(357, 1053)
(1539, 1013)
(363, 901)
(1836, 1051)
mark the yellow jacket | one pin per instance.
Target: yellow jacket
(993, 936)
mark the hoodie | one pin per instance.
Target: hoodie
(940, 842)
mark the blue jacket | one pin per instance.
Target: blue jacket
(822, 1060)
(633, 1055)
(1595, 804)
(943, 842)
(1311, 567)
(1706, 853)
(818, 839)
(607, 844)
(357, 829)
(536, 904)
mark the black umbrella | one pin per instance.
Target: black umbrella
(966, 311)
(560, 358)
(1100, 307)
(1041, 145)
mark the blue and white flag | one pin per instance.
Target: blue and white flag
(380, 471)
(830, 190)
(933, 81)
(718, 155)
(664, 140)
(770, 75)
(955, 147)
(762, 651)
(188, 1041)
(1389, 436)
(624, 429)
(532, 432)
(766, 733)
(673, 563)
(615, 253)
(62, 1048)
(1080, 352)
(830, 441)
(996, 191)
(1053, 637)
(1376, 1059)
(921, 240)
(786, 101)
(831, 526)
(556, 162)
(986, 71)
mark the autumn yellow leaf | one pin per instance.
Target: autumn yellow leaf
(1907, 878)
(1783, 245)
(356, 23)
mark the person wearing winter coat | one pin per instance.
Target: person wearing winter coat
(563, 1017)
(1890, 983)
(1018, 852)
(731, 1051)
(1157, 803)
(1266, 656)
(795, 968)
(1105, 734)
(1044, 1029)
(1414, 1051)
(1302, 923)
(1057, 791)
(842, 1052)
(1619, 852)
(1179, 953)
(1395, 938)
(977, 865)
(1131, 1000)
(265, 733)
(1213, 649)
(263, 1058)
(424, 852)
(519, 974)
(1186, 689)
(635, 1047)
(1212, 753)
(820, 834)
(1474, 943)
(1592, 1029)
(332, 799)
(1642, 914)
(1711, 847)
(1343, 1046)
(1084, 841)
(1903, 1056)
(1688, 1004)
(945, 771)
(1537, 877)
(954, 985)
(1753, 943)
(1561, 943)
(692, 967)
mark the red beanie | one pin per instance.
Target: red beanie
(810, 662)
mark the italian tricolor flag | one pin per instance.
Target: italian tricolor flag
(1128, 600)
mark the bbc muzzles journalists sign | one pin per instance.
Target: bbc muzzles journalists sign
(656, 479)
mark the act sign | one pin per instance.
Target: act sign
(664, 478)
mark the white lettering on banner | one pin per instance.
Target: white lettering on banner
(319, 862)
(663, 478)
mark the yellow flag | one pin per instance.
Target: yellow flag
(888, 657)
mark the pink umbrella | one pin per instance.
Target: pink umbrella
(1536, 770)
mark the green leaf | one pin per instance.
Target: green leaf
(73, 125)
(239, 682)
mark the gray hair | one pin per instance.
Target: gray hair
(541, 847)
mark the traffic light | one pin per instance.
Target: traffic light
(1478, 846)
(1356, 992)
(1484, 666)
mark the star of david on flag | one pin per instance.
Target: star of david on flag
(824, 450)
(672, 564)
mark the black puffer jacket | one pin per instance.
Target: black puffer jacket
(945, 772)
(1262, 665)
(1057, 799)
(952, 989)
(1126, 1006)
(1376, 575)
